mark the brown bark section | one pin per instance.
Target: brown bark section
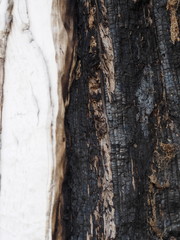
(172, 6)
(64, 40)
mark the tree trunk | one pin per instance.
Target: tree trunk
(36, 49)
(89, 120)
(123, 122)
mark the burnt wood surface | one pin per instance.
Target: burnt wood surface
(123, 153)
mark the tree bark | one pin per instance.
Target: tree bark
(123, 123)
(89, 120)
(36, 54)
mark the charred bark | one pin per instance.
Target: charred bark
(122, 124)
(90, 89)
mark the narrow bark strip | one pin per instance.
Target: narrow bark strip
(90, 130)
(64, 40)
(5, 27)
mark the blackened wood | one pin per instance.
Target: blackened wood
(140, 117)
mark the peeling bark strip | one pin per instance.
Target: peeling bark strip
(5, 27)
(6, 7)
(107, 57)
(101, 47)
(64, 40)
(105, 183)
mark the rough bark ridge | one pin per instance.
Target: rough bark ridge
(123, 125)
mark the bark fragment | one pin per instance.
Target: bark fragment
(172, 6)
(64, 40)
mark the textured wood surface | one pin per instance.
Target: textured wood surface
(140, 118)
(89, 120)
(35, 54)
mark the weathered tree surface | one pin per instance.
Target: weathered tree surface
(36, 55)
(90, 119)
(123, 122)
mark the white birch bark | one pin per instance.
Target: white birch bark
(30, 106)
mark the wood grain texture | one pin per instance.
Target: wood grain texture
(36, 54)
